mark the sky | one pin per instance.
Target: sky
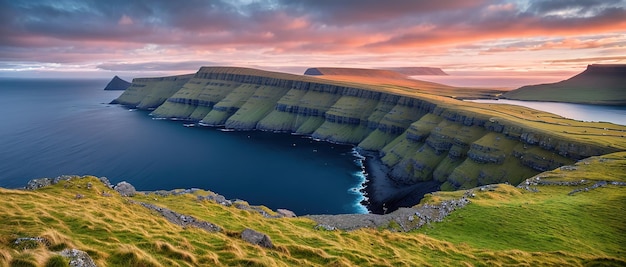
(141, 38)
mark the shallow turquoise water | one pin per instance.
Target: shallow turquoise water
(55, 127)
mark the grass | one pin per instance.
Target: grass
(501, 226)
(589, 87)
(589, 222)
(257, 106)
(149, 93)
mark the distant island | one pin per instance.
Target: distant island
(378, 73)
(599, 84)
(118, 84)
(400, 72)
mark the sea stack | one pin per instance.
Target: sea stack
(117, 83)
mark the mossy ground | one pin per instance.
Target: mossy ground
(502, 226)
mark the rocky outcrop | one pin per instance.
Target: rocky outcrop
(125, 189)
(403, 219)
(43, 182)
(182, 219)
(421, 136)
(78, 258)
(256, 238)
(117, 84)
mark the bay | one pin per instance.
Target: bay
(52, 127)
(582, 112)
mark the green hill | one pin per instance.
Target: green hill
(598, 84)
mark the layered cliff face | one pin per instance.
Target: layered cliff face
(149, 93)
(420, 135)
(602, 84)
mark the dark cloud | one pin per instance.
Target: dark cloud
(575, 6)
(349, 12)
(75, 30)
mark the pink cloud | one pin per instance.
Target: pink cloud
(336, 31)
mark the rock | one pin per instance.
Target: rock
(219, 199)
(325, 227)
(181, 219)
(38, 183)
(106, 181)
(23, 243)
(117, 83)
(125, 189)
(568, 168)
(78, 258)
(286, 213)
(256, 238)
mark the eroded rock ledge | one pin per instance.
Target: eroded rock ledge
(403, 219)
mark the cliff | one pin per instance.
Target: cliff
(117, 84)
(599, 84)
(149, 93)
(421, 132)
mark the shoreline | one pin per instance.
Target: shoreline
(382, 194)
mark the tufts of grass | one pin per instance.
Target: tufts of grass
(57, 261)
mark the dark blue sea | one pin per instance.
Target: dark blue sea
(51, 127)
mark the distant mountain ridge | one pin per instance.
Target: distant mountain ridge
(354, 72)
(400, 72)
(117, 83)
(417, 71)
(599, 84)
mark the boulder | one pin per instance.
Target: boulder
(125, 189)
(78, 258)
(286, 213)
(256, 238)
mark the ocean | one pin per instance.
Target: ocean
(52, 127)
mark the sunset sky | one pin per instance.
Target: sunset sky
(82, 38)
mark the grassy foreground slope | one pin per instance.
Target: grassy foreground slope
(554, 222)
(600, 84)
